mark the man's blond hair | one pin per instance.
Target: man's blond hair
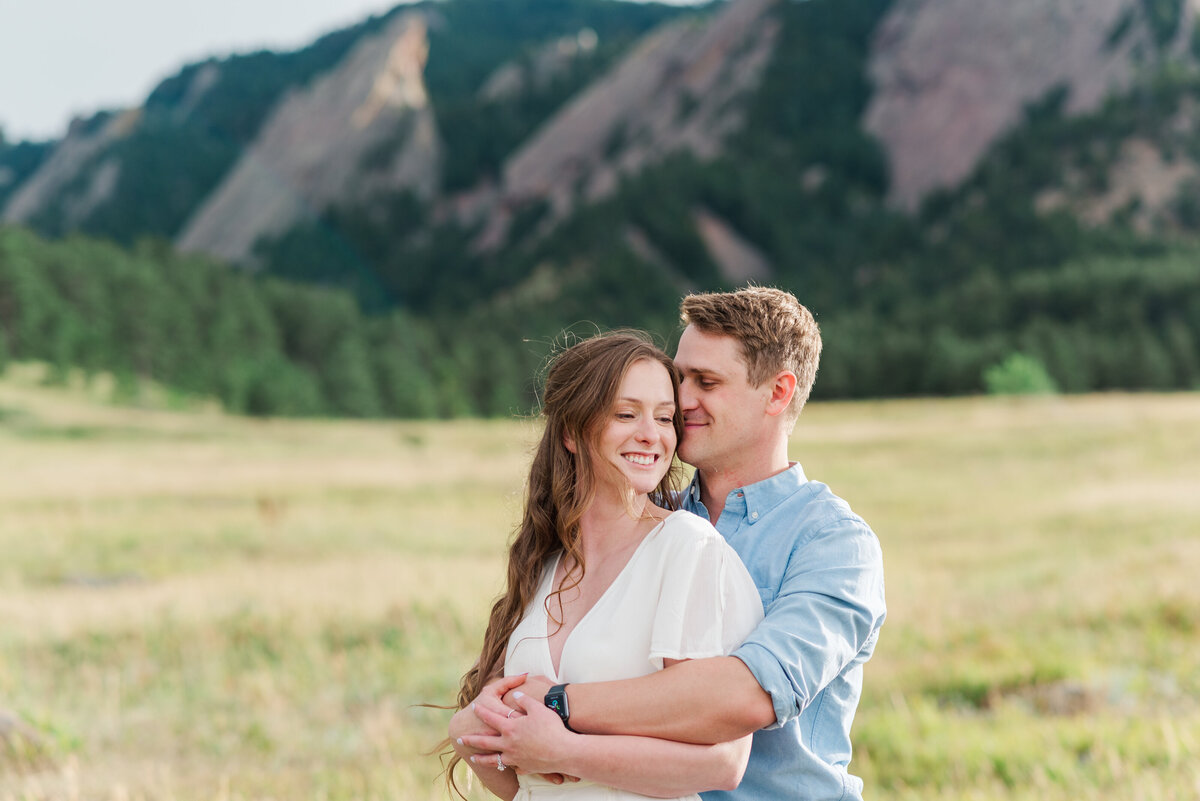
(776, 333)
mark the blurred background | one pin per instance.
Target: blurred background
(399, 217)
(273, 303)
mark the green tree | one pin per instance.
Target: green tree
(1019, 375)
(275, 386)
(402, 351)
(1181, 343)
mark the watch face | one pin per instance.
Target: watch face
(556, 699)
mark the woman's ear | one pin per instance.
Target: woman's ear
(569, 443)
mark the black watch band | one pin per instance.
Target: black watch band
(556, 699)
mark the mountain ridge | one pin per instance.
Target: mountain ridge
(310, 151)
(1059, 224)
(923, 111)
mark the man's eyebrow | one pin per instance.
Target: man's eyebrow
(705, 371)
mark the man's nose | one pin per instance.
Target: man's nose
(687, 396)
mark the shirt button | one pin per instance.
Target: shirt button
(754, 515)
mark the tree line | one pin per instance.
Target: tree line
(261, 346)
(265, 346)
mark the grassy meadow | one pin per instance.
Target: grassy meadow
(197, 606)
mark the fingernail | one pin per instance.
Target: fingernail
(459, 741)
(472, 706)
(473, 759)
(518, 694)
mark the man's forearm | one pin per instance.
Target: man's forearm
(699, 701)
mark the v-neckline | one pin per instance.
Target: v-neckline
(554, 669)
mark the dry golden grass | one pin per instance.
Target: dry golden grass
(194, 606)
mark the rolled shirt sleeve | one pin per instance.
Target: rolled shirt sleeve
(818, 569)
(824, 616)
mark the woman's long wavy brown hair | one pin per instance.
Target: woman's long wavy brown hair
(580, 390)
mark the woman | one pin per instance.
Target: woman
(606, 581)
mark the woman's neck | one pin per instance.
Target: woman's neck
(612, 524)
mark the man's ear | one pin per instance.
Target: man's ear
(783, 388)
(569, 443)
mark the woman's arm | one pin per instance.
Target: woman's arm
(537, 742)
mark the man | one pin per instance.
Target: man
(748, 360)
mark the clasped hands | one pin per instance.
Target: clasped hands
(509, 725)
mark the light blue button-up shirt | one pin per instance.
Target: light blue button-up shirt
(819, 570)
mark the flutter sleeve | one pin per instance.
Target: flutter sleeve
(707, 601)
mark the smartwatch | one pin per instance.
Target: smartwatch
(556, 699)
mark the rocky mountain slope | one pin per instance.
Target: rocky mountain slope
(947, 184)
(951, 76)
(948, 79)
(364, 128)
(66, 165)
(680, 89)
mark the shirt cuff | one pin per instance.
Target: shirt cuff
(771, 677)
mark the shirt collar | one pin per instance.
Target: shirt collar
(693, 488)
(759, 497)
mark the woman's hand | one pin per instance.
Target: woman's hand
(466, 722)
(496, 692)
(531, 738)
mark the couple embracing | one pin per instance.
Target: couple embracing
(664, 640)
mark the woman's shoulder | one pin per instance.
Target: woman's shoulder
(685, 527)
(690, 553)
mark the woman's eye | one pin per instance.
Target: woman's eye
(624, 415)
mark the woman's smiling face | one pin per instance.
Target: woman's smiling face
(637, 442)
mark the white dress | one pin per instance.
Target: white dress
(684, 594)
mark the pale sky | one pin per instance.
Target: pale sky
(65, 58)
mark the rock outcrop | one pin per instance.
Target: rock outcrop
(1142, 185)
(738, 260)
(676, 91)
(540, 69)
(57, 180)
(364, 128)
(951, 76)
